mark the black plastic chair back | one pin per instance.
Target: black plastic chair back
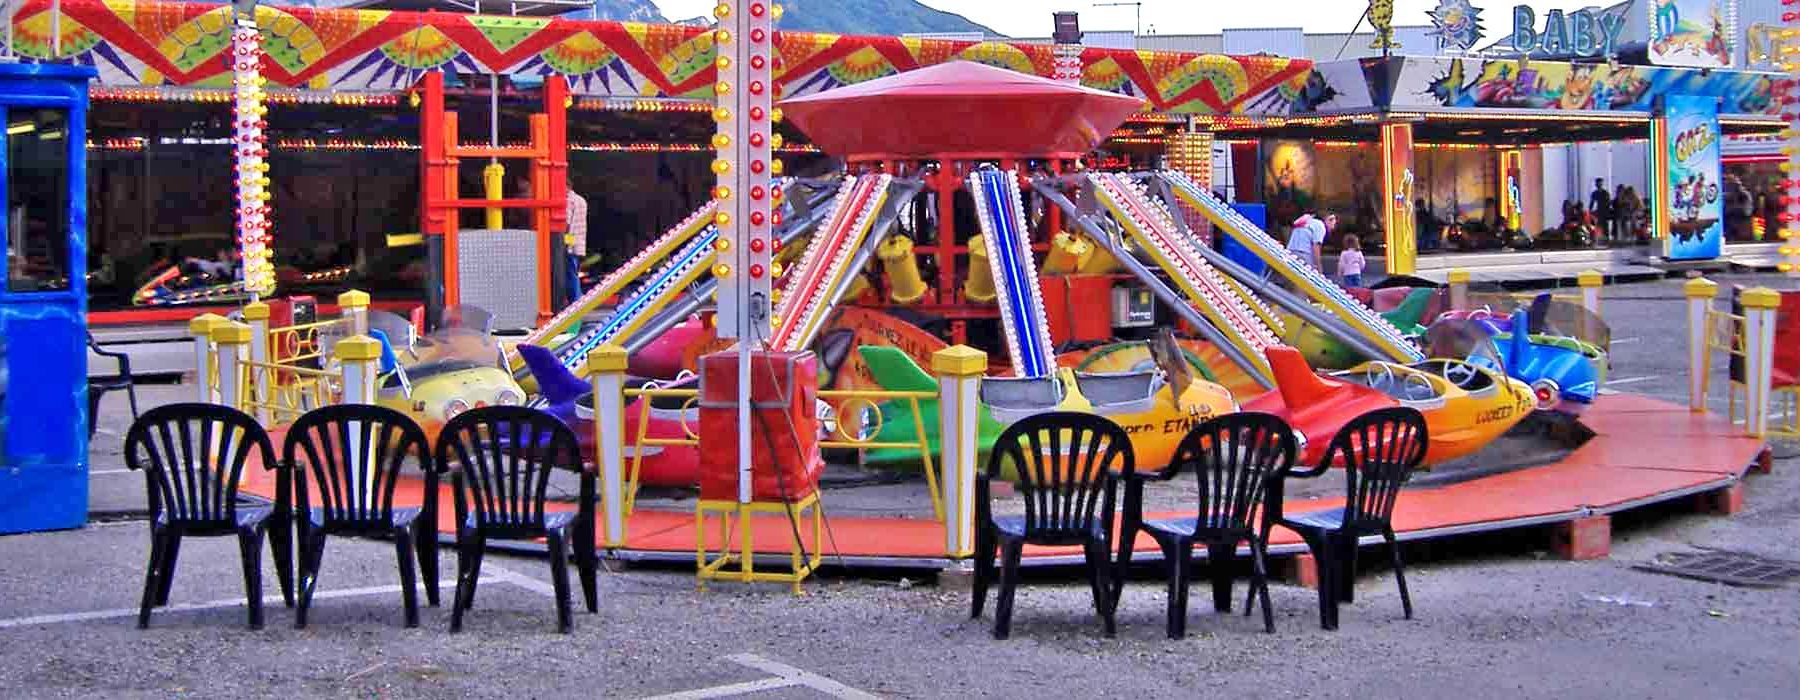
(1234, 457)
(193, 457)
(1066, 462)
(1379, 451)
(503, 457)
(351, 456)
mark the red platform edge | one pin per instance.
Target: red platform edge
(1645, 451)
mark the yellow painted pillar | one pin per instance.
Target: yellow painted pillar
(606, 371)
(200, 327)
(493, 182)
(1458, 280)
(959, 369)
(1760, 305)
(1590, 282)
(1397, 195)
(233, 342)
(1700, 293)
(353, 306)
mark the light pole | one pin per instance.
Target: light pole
(1137, 22)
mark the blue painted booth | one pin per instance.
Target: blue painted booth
(43, 304)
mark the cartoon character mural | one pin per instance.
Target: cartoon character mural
(1456, 24)
(1698, 33)
(1510, 83)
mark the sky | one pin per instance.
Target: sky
(1031, 18)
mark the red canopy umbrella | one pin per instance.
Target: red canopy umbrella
(959, 109)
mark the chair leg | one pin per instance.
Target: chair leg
(281, 546)
(1346, 562)
(587, 565)
(477, 553)
(1011, 551)
(1128, 533)
(409, 593)
(559, 578)
(426, 547)
(152, 578)
(250, 546)
(131, 396)
(1220, 556)
(465, 560)
(310, 547)
(985, 551)
(1321, 546)
(1177, 554)
(1100, 582)
(1259, 582)
(1399, 571)
(170, 556)
(93, 414)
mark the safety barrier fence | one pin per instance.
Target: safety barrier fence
(1747, 343)
(278, 373)
(852, 421)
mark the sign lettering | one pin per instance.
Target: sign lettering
(1582, 32)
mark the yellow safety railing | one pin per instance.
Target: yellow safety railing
(845, 432)
(863, 439)
(642, 440)
(1725, 335)
(291, 345)
(286, 391)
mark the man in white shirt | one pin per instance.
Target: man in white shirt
(575, 242)
(1306, 239)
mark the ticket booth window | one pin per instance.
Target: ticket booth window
(37, 200)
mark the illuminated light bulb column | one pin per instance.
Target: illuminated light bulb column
(746, 167)
(1789, 223)
(774, 466)
(249, 120)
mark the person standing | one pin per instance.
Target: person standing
(1600, 205)
(575, 241)
(1305, 240)
(1351, 262)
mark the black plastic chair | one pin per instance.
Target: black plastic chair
(193, 456)
(350, 457)
(499, 459)
(1069, 466)
(1233, 457)
(98, 387)
(1379, 451)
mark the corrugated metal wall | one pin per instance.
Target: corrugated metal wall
(1288, 41)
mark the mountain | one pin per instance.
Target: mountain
(623, 11)
(884, 17)
(880, 17)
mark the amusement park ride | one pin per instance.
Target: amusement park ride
(787, 317)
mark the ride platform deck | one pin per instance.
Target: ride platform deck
(1644, 451)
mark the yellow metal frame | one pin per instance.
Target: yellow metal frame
(642, 439)
(285, 391)
(1725, 334)
(300, 341)
(803, 560)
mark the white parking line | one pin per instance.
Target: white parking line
(785, 677)
(1630, 380)
(273, 600)
(1625, 341)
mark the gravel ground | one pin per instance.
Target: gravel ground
(1496, 617)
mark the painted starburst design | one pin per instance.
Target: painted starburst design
(1456, 24)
